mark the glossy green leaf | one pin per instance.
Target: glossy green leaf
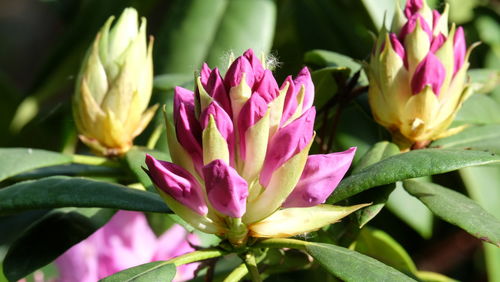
(487, 79)
(325, 84)
(332, 59)
(135, 159)
(352, 266)
(480, 138)
(411, 211)
(427, 276)
(456, 209)
(170, 81)
(17, 160)
(379, 245)
(482, 185)
(61, 191)
(378, 197)
(478, 109)
(245, 24)
(153, 271)
(51, 236)
(413, 164)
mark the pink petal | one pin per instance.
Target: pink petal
(430, 71)
(437, 42)
(79, 263)
(410, 26)
(178, 183)
(224, 124)
(459, 49)
(290, 105)
(267, 87)
(187, 127)
(251, 112)
(227, 190)
(239, 67)
(213, 84)
(412, 7)
(435, 18)
(398, 48)
(286, 143)
(258, 70)
(320, 177)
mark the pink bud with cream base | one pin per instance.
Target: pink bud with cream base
(418, 75)
(239, 146)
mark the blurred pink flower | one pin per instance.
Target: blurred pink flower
(125, 241)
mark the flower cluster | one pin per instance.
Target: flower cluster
(418, 74)
(125, 241)
(239, 147)
(114, 86)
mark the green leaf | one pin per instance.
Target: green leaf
(153, 271)
(379, 245)
(51, 236)
(482, 185)
(456, 209)
(325, 84)
(478, 109)
(352, 266)
(135, 159)
(17, 160)
(478, 138)
(61, 191)
(413, 164)
(411, 211)
(171, 80)
(487, 79)
(379, 196)
(245, 24)
(326, 58)
(427, 276)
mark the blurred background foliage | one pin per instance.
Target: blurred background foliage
(42, 44)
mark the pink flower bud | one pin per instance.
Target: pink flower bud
(258, 69)
(437, 42)
(267, 87)
(177, 183)
(435, 18)
(253, 110)
(286, 143)
(412, 7)
(227, 191)
(294, 86)
(428, 72)
(239, 67)
(459, 49)
(214, 85)
(410, 25)
(398, 47)
(320, 177)
(224, 124)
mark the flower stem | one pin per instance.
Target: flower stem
(282, 243)
(196, 256)
(237, 274)
(251, 265)
(93, 160)
(155, 136)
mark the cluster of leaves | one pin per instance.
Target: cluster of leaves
(51, 200)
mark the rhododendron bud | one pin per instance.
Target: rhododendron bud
(418, 75)
(246, 153)
(114, 86)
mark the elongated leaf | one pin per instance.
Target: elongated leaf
(481, 138)
(245, 24)
(50, 237)
(413, 164)
(61, 191)
(328, 59)
(456, 209)
(14, 225)
(352, 266)
(410, 210)
(478, 109)
(482, 185)
(17, 160)
(379, 245)
(153, 271)
(135, 159)
(378, 197)
(170, 81)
